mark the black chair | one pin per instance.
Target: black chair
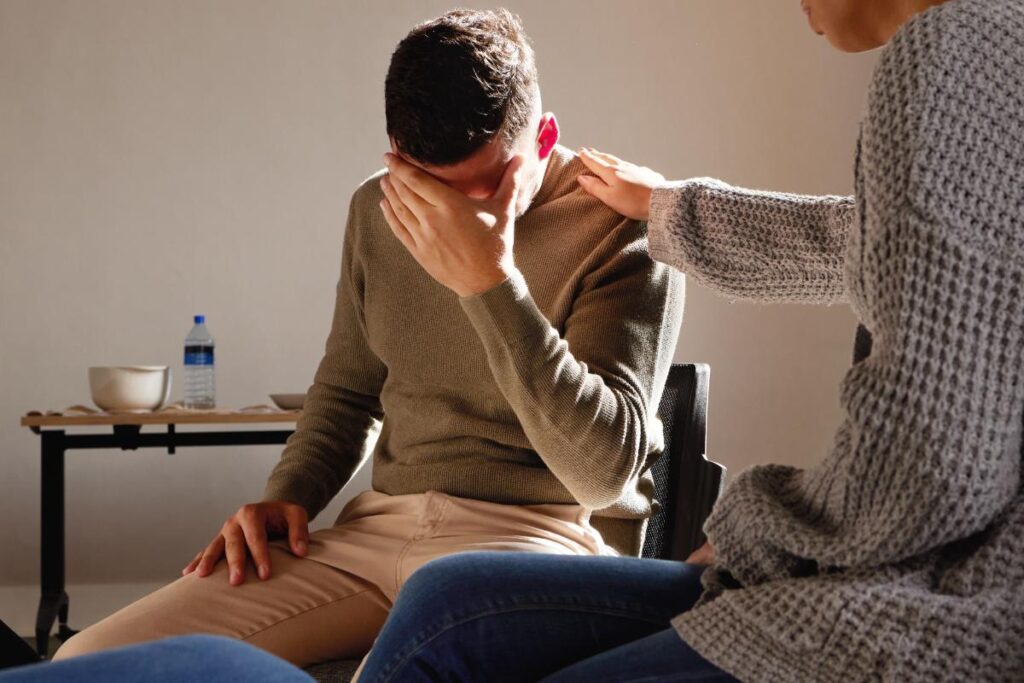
(14, 651)
(686, 484)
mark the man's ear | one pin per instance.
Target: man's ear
(547, 135)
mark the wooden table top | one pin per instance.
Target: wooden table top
(161, 418)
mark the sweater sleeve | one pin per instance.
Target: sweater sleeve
(586, 399)
(342, 413)
(746, 244)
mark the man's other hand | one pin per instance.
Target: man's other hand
(463, 243)
(245, 534)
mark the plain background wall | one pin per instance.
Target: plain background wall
(159, 159)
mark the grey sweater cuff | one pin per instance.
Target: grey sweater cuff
(671, 202)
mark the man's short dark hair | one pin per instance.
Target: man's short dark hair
(456, 82)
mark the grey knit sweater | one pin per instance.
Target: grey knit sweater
(901, 556)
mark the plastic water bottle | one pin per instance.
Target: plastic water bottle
(199, 384)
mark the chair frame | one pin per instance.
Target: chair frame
(694, 481)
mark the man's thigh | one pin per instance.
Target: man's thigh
(470, 525)
(306, 612)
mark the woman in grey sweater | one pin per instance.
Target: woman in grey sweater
(901, 556)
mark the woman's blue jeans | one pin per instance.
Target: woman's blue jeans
(529, 617)
(210, 659)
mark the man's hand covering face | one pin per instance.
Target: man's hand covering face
(463, 243)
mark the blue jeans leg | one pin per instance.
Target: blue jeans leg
(211, 659)
(521, 616)
(660, 658)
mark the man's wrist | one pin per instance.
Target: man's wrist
(506, 312)
(488, 281)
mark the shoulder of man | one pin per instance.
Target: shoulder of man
(368, 195)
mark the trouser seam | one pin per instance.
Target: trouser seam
(429, 532)
(307, 611)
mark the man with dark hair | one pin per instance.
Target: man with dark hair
(457, 82)
(500, 340)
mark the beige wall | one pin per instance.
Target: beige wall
(160, 159)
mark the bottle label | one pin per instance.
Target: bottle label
(198, 355)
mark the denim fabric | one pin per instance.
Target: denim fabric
(210, 659)
(519, 617)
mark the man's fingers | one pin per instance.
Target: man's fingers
(599, 167)
(396, 226)
(511, 179)
(415, 203)
(398, 207)
(234, 550)
(432, 190)
(254, 529)
(298, 530)
(211, 556)
(594, 186)
(191, 566)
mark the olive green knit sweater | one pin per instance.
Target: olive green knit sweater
(541, 390)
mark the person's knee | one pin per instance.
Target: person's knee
(180, 658)
(85, 642)
(212, 653)
(449, 577)
(105, 635)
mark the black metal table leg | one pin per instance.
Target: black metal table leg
(53, 603)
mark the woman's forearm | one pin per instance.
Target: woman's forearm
(758, 246)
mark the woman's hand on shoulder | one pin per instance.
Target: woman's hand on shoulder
(624, 187)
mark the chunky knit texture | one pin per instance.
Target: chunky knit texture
(541, 390)
(901, 556)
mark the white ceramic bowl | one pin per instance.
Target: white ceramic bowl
(130, 388)
(288, 401)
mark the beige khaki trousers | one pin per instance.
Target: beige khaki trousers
(332, 603)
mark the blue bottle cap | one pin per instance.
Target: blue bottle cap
(199, 319)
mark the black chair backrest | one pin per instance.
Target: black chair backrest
(686, 484)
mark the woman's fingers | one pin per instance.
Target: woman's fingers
(623, 186)
(595, 186)
(704, 555)
(599, 167)
(609, 159)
